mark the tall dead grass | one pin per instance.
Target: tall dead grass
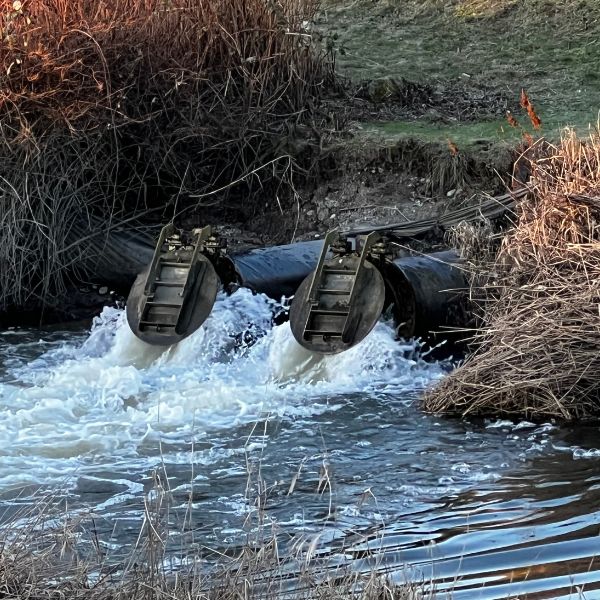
(537, 354)
(46, 553)
(144, 107)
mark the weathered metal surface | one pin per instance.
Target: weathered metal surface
(175, 293)
(340, 302)
(338, 324)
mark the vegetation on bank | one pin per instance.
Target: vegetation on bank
(113, 110)
(536, 354)
(47, 554)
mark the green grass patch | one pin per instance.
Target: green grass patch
(472, 136)
(462, 134)
(550, 48)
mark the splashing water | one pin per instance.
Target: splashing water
(511, 505)
(81, 405)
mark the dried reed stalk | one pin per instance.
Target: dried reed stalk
(116, 108)
(46, 553)
(537, 354)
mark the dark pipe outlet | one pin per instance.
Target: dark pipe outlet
(427, 294)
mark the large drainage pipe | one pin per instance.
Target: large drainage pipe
(340, 293)
(342, 300)
(276, 271)
(426, 293)
(175, 293)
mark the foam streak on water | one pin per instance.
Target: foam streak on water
(81, 405)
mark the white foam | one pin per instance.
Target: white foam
(93, 401)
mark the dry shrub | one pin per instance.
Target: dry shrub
(144, 107)
(474, 240)
(537, 354)
(87, 61)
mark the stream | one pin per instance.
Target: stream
(249, 432)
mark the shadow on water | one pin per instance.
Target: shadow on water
(334, 456)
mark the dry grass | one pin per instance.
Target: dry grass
(475, 241)
(82, 61)
(482, 8)
(137, 107)
(46, 554)
(537, 355)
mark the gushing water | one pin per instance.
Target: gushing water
(79, 405)
(456, 502)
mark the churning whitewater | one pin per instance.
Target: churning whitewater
(239, 417)
(109, 398)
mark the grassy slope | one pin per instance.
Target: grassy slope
(549, 47)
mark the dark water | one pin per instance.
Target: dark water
(331, 454)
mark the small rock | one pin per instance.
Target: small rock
(451, 193)
(103, 290)
(332, 216)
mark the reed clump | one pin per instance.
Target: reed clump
(536, 355)
(144, 108)
(46, 553)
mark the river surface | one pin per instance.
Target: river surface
(249, 432)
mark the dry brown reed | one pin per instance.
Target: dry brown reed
(46, 553)
(144, 107)
(81, 61)
(537, 354)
